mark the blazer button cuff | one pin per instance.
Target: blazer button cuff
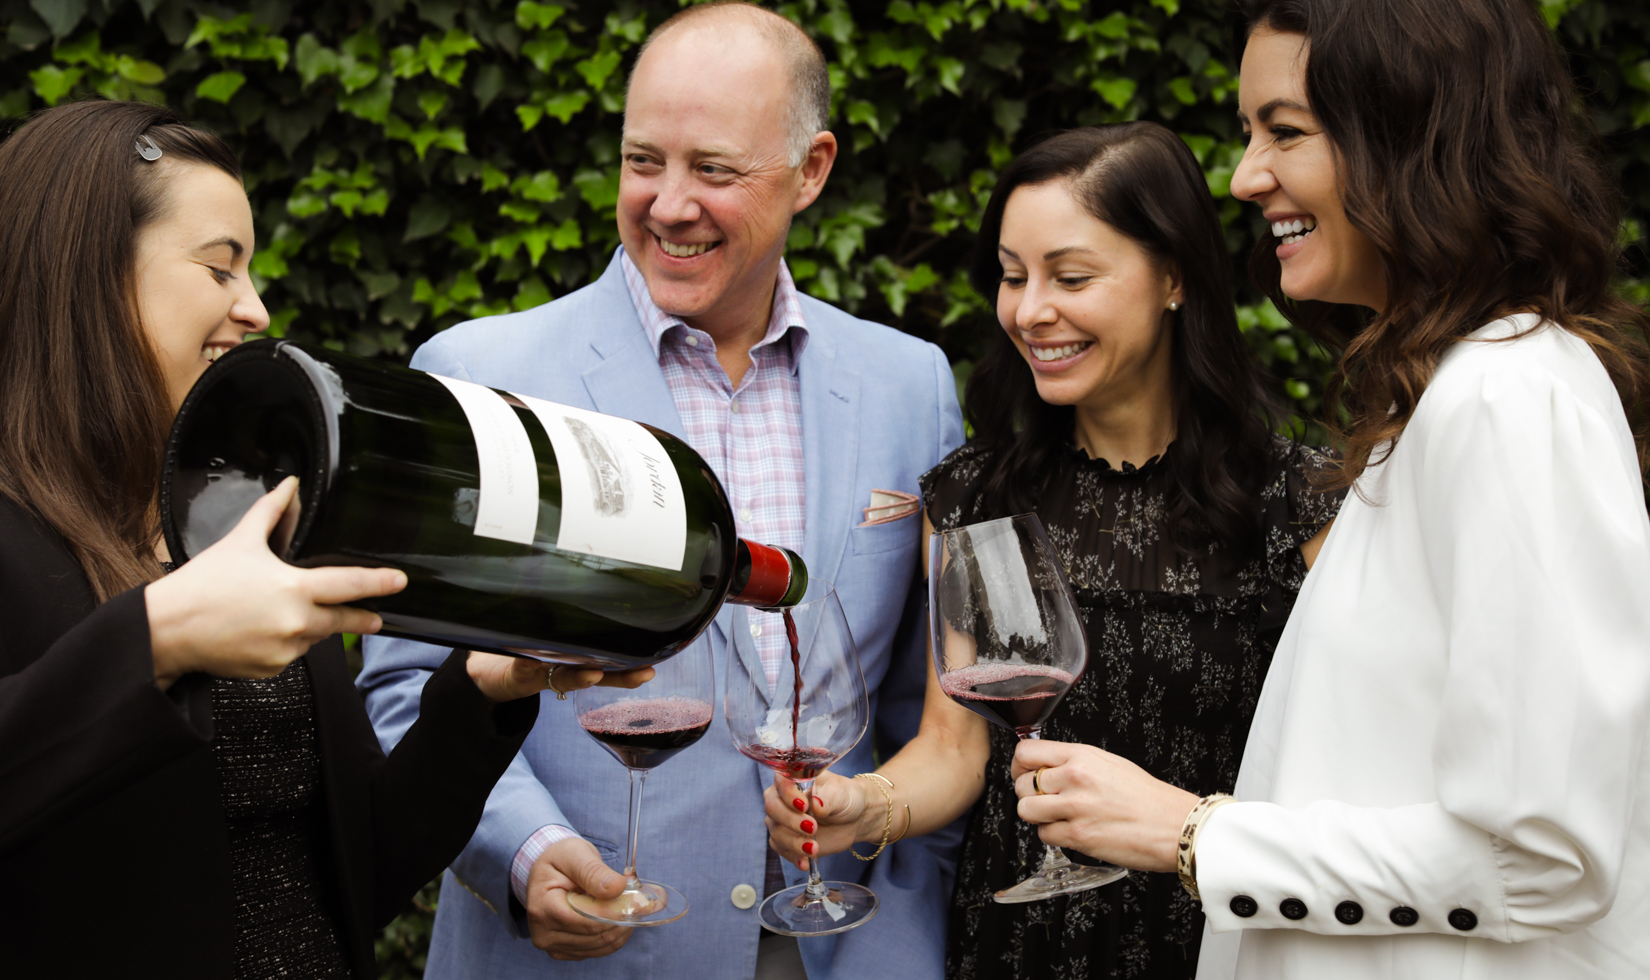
(1349, 913)
(1463, 919)
(1292, 908)
(1404, 916)
(1243, 906)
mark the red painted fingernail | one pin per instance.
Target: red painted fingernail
(807, 826)
(809, 847)
(818, 801)
(801, 806)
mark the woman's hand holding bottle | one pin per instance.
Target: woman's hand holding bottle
(236, 610)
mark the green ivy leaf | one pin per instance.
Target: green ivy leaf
(567, 235)
(1181, 88)
(432, 103)
(532, 292)
(599, 188)
(52, 83)
(529, 116)
(84, 50)
(315, 59)
(304, 204)
(597, 67)
(542, 186)
(520, 211)
(530, 15)
(950, 71)
(546, 49)
(566, 105)
(371, 103)
(1117, 91)
(220, 87)
(429, 216)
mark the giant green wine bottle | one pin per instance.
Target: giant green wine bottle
(524, 526)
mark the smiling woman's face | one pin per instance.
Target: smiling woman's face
(1289, 169)
(1085, 304)
(195, 298)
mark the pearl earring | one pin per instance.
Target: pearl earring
(1173, 306)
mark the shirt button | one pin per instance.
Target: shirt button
(1292, 908)
(1349, 913)
(1404, 916)
(744, 896)
(1243, 906)
(733, 407)
(692, 341)
(756, 629)
(745, 514)
(1463, 919)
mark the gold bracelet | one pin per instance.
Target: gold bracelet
(907, 829)
(1186, 855)
(887, 819)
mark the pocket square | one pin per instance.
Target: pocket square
(890, 505)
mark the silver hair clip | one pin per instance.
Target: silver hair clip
(150, 152)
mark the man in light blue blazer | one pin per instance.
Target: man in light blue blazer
(695, 321)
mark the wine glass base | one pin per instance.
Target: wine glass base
(793, 913)
(648, 904)
(1062, 879)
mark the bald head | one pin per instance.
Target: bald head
(809, 106)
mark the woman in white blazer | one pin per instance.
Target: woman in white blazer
(1446, 773)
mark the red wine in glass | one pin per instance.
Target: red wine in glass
(644, 728)
(1008, 644)
(797, 717)
(645, 732)
(1017, 696)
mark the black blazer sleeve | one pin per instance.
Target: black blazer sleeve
(398, 821)
(80, 715)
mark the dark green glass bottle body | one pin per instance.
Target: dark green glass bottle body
(390, 475)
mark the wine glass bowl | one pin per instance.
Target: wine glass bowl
(796, 703)
(643, 728)
(1008, 643)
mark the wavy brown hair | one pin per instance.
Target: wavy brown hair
(83, 406)
(1465, 155)
(1140, 179)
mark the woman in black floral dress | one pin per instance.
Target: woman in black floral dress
(1122, 407)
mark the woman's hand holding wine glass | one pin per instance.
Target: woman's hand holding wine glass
(1101, 804)
(840, 816)
(504, 678)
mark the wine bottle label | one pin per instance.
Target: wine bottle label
(620, 494)
(507, 504)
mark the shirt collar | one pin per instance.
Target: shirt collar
(787, 313)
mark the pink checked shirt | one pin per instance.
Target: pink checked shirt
(751, 437)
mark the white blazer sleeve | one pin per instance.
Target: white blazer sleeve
(1535, 540)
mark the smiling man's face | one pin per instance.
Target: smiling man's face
(706, 193)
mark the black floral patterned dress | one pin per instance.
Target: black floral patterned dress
(1178, 648)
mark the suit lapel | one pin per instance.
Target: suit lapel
(830, 448)
(626, 380)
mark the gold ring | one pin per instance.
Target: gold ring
(550, 682)
(1036, 781)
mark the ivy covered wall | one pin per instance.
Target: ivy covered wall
(413, 163)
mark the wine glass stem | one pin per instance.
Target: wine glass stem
(638, 781)
(1052, 858)
(816, 885)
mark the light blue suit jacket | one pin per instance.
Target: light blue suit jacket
(878, 409)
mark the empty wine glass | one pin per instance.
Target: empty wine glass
(796, 707)
(1007, 645)
(643, 728)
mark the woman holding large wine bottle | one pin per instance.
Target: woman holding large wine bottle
(1121, 405)
(182, 788)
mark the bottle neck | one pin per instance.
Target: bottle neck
(767, 577)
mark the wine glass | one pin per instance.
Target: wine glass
(796, 703)
(643, 728)
(1008, 644)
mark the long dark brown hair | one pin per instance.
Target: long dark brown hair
(1140, 179)
(84, 409)
(1465, 155)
